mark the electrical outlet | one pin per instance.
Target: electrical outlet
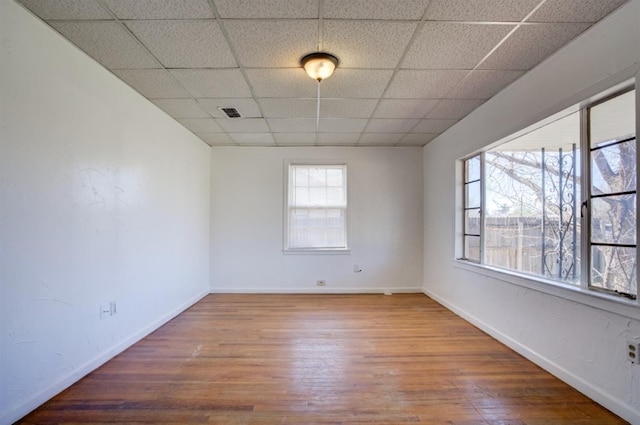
(112, 308)
(633, 350)
(105, 311)
(321, 283)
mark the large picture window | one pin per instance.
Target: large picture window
(316, 207)
(559, 201)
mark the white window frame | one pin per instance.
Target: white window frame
(346, 250)
(582, 292)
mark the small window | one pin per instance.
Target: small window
(316, 207)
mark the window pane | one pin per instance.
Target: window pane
(317, 228)
(317, 177)
(472, 248)
(301, 176)
(301, 196)
(614, 269)
(473, 169)
(613, 169)
(334, 177)
(335, 196)
(613, 120)
(613, 219)
(472, 196)
(532, 200)
(472, 222)
(318, 196)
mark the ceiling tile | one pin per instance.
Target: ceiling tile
(307, 108)
(216, 139)
(380, 139)
(248, 108)
(152, 83)
(480, 10)
(382, 125)
(308, 125)
(181, 108)
(289, 108)
(433, 126)
(450, 45)
(66, 9)
(483, 84)
(286, 82)
(417, 139)
(530, 44)
(185, 44)
(272, 43)
(355, 83)
(213, 82)
(367, 44)
(423, 84)
(243, 125)
(260, 9)
(293, 82)
(108, 43)
(404, 108)
(454, 108)
(575, 10)
(338, 139)
(347, 108)
(335, 125)
(295, 139)
(201, 125)
(292, 125)
(374, 9)
(160, 9)
(252, 139)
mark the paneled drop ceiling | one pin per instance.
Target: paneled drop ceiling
(409, 69)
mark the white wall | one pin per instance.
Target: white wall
(385, 204)
(102, 197)
(582, 344)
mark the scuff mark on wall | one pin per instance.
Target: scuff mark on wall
(56, 301)
(30, 341)
(93, 181)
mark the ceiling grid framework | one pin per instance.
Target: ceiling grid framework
(409, 69)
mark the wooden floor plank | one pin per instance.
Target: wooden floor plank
(320, 359)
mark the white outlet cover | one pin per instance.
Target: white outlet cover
(105, 311)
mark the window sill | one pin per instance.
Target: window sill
(336, 251)
(610, 303)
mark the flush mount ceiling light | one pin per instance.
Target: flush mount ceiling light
(319, 66)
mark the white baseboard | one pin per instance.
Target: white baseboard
(615, 405)
(17, 412)
(316, 290)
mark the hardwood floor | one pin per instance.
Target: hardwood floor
(320, 359)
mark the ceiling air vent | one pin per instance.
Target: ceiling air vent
(231, 112)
